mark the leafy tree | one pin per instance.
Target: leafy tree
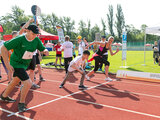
(82, 29)
(104, 27)
(110, 19)
(94, 30)
(120, 23)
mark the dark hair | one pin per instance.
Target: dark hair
(67, 38)
(22, 24)
(14, 32)
(86, 52)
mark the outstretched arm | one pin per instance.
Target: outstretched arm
(93, 43)
(113, 53)
(25, 26)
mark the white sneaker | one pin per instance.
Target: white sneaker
(108, 79)
(87, 77)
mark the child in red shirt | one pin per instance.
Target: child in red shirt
(58, 53)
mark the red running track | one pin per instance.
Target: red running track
(117, 100)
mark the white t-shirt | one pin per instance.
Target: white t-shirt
(68, 49)
(78, 62)
(81, 48)
(1, 44)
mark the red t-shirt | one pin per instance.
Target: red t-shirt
(58, 49)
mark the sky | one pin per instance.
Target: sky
(136, 12)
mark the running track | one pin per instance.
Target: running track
(117, 100)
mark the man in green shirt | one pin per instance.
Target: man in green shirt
(23, 47)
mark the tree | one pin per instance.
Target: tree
(110, 19)
(12, 21)
(104, 27)
(94, 30)
(143, 27)
(68, 25)
(89, 30)
(120, 23)
(82, 29)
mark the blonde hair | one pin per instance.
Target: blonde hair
(111, 37)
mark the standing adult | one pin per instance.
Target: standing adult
(58, 53)
(105, 55)
(23, 48)
(81, 46)
(67, 47)
(155, 52)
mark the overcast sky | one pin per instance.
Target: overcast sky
(136, 12)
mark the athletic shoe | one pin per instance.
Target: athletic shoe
(42, 79)
(99, 69)
(61, 86)
(0, 77)
(82, 87)
(7, 99)
(108, 79)
(35, 86)
(22, 107)
(87, 77)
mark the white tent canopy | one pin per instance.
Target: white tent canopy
(151, 31)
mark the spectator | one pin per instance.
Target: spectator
(58, 53)
(155, 52)
(68, 52)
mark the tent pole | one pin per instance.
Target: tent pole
(145, 48)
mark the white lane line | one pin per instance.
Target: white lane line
(62, 97)
(108, 106)
(109, 89)
(122, 91)
(21, 116)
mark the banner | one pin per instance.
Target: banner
(124, 46)
(60, 34)
(1, 28)
(145, 76)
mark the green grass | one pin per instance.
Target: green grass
(135, 59)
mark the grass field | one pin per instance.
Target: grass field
(135, 59)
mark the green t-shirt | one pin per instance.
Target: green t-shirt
(20, 45)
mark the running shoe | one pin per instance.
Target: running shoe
(82, 87)
(7, 99)
(35, 86)
(108, 79)
(87, 77)
(42, 79)
(61, 86)
(22, 107)
(99, 69)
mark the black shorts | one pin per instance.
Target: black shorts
(58, 55)
(21, 74)
(32, 65)
(37, 59)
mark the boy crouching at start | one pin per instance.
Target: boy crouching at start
(77, 64)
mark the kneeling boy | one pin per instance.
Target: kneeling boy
(78, 64)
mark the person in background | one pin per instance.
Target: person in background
(74, 51)
(77, 64)
(81, 46)
(105, 55)
(23, 47)
(67, 47)
(155, 52)
(58, 53)
(85, 41)
(6, 70)
(38, 59)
